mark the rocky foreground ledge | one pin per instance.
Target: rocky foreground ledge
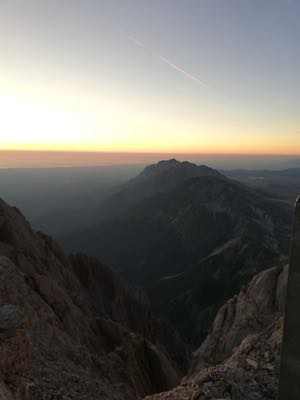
(240, 359)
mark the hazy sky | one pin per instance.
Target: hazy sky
(150, 75)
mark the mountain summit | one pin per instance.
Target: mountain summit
(176, 169)
(167, 174)
(161, 177)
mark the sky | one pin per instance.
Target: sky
(184, 76)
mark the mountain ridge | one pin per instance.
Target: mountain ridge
(163, 225)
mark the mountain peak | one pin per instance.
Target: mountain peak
(182, 169)
(159, 178)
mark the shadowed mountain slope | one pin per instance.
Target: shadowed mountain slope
(191, 236)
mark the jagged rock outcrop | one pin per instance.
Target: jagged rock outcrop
(249, 312)
(239, 360)
(71, 329)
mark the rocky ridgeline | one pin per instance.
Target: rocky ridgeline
(72, 329)
(239, 360)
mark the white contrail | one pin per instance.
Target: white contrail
(185, 73)
(168, 62)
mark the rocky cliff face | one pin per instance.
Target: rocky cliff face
(71, 329)
(239, 360)
(252, 310)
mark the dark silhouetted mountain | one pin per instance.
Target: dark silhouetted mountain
(71, 328)
(191, 236)
(157, 178)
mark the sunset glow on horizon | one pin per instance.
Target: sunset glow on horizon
(85, 85)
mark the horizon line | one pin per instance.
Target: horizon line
(143, 152)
